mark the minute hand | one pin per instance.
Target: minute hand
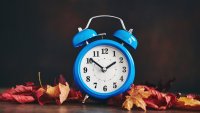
(110, 65)
(96, 63)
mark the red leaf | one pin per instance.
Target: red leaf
(21, 94)
(160, 101)
(7, 97)
(42, 97)
(23, 99)
(19, 89)
(75, 95)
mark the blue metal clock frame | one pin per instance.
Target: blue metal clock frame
(85, 88)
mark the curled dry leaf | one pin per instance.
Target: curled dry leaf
(42, 97)
(58, 93)
(160, 101)
(188, 103)
(20, 94)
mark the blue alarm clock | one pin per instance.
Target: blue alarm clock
(104, 68)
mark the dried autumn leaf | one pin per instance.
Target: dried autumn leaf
(64, 92)
(20, 94)
(23, 99)
(58, 93)
(160, 101)
(128, 103)
(75, 95)
(29, 93)
(188, 103)
(137, 94)
(42, 97)
(53, 91)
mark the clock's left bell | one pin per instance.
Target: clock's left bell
(82, 36)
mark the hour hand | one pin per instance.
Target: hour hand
(91, 59)
(111, 65)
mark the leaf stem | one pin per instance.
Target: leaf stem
(40, 79)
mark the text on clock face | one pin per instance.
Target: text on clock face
(104, 69)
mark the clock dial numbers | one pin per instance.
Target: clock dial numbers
(114, 55)
(85, 70)
(121, 79)
(104, 69)
(88, 78)
(104, 51)
(120, 59)
(124, 69)
(88, 61)
(114, 85)
(95, 53)
(105, 88)
(95, 85)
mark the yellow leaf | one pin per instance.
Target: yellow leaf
(64, 91)
(136, 96)
(139, 102)
(53, 91)
(189, 101)
(128, 103)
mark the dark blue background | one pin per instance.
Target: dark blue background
(37, 36)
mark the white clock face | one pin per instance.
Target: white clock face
(104, 69)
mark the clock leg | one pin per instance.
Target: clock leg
(85, 98)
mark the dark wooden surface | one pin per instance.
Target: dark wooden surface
(72, 108)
